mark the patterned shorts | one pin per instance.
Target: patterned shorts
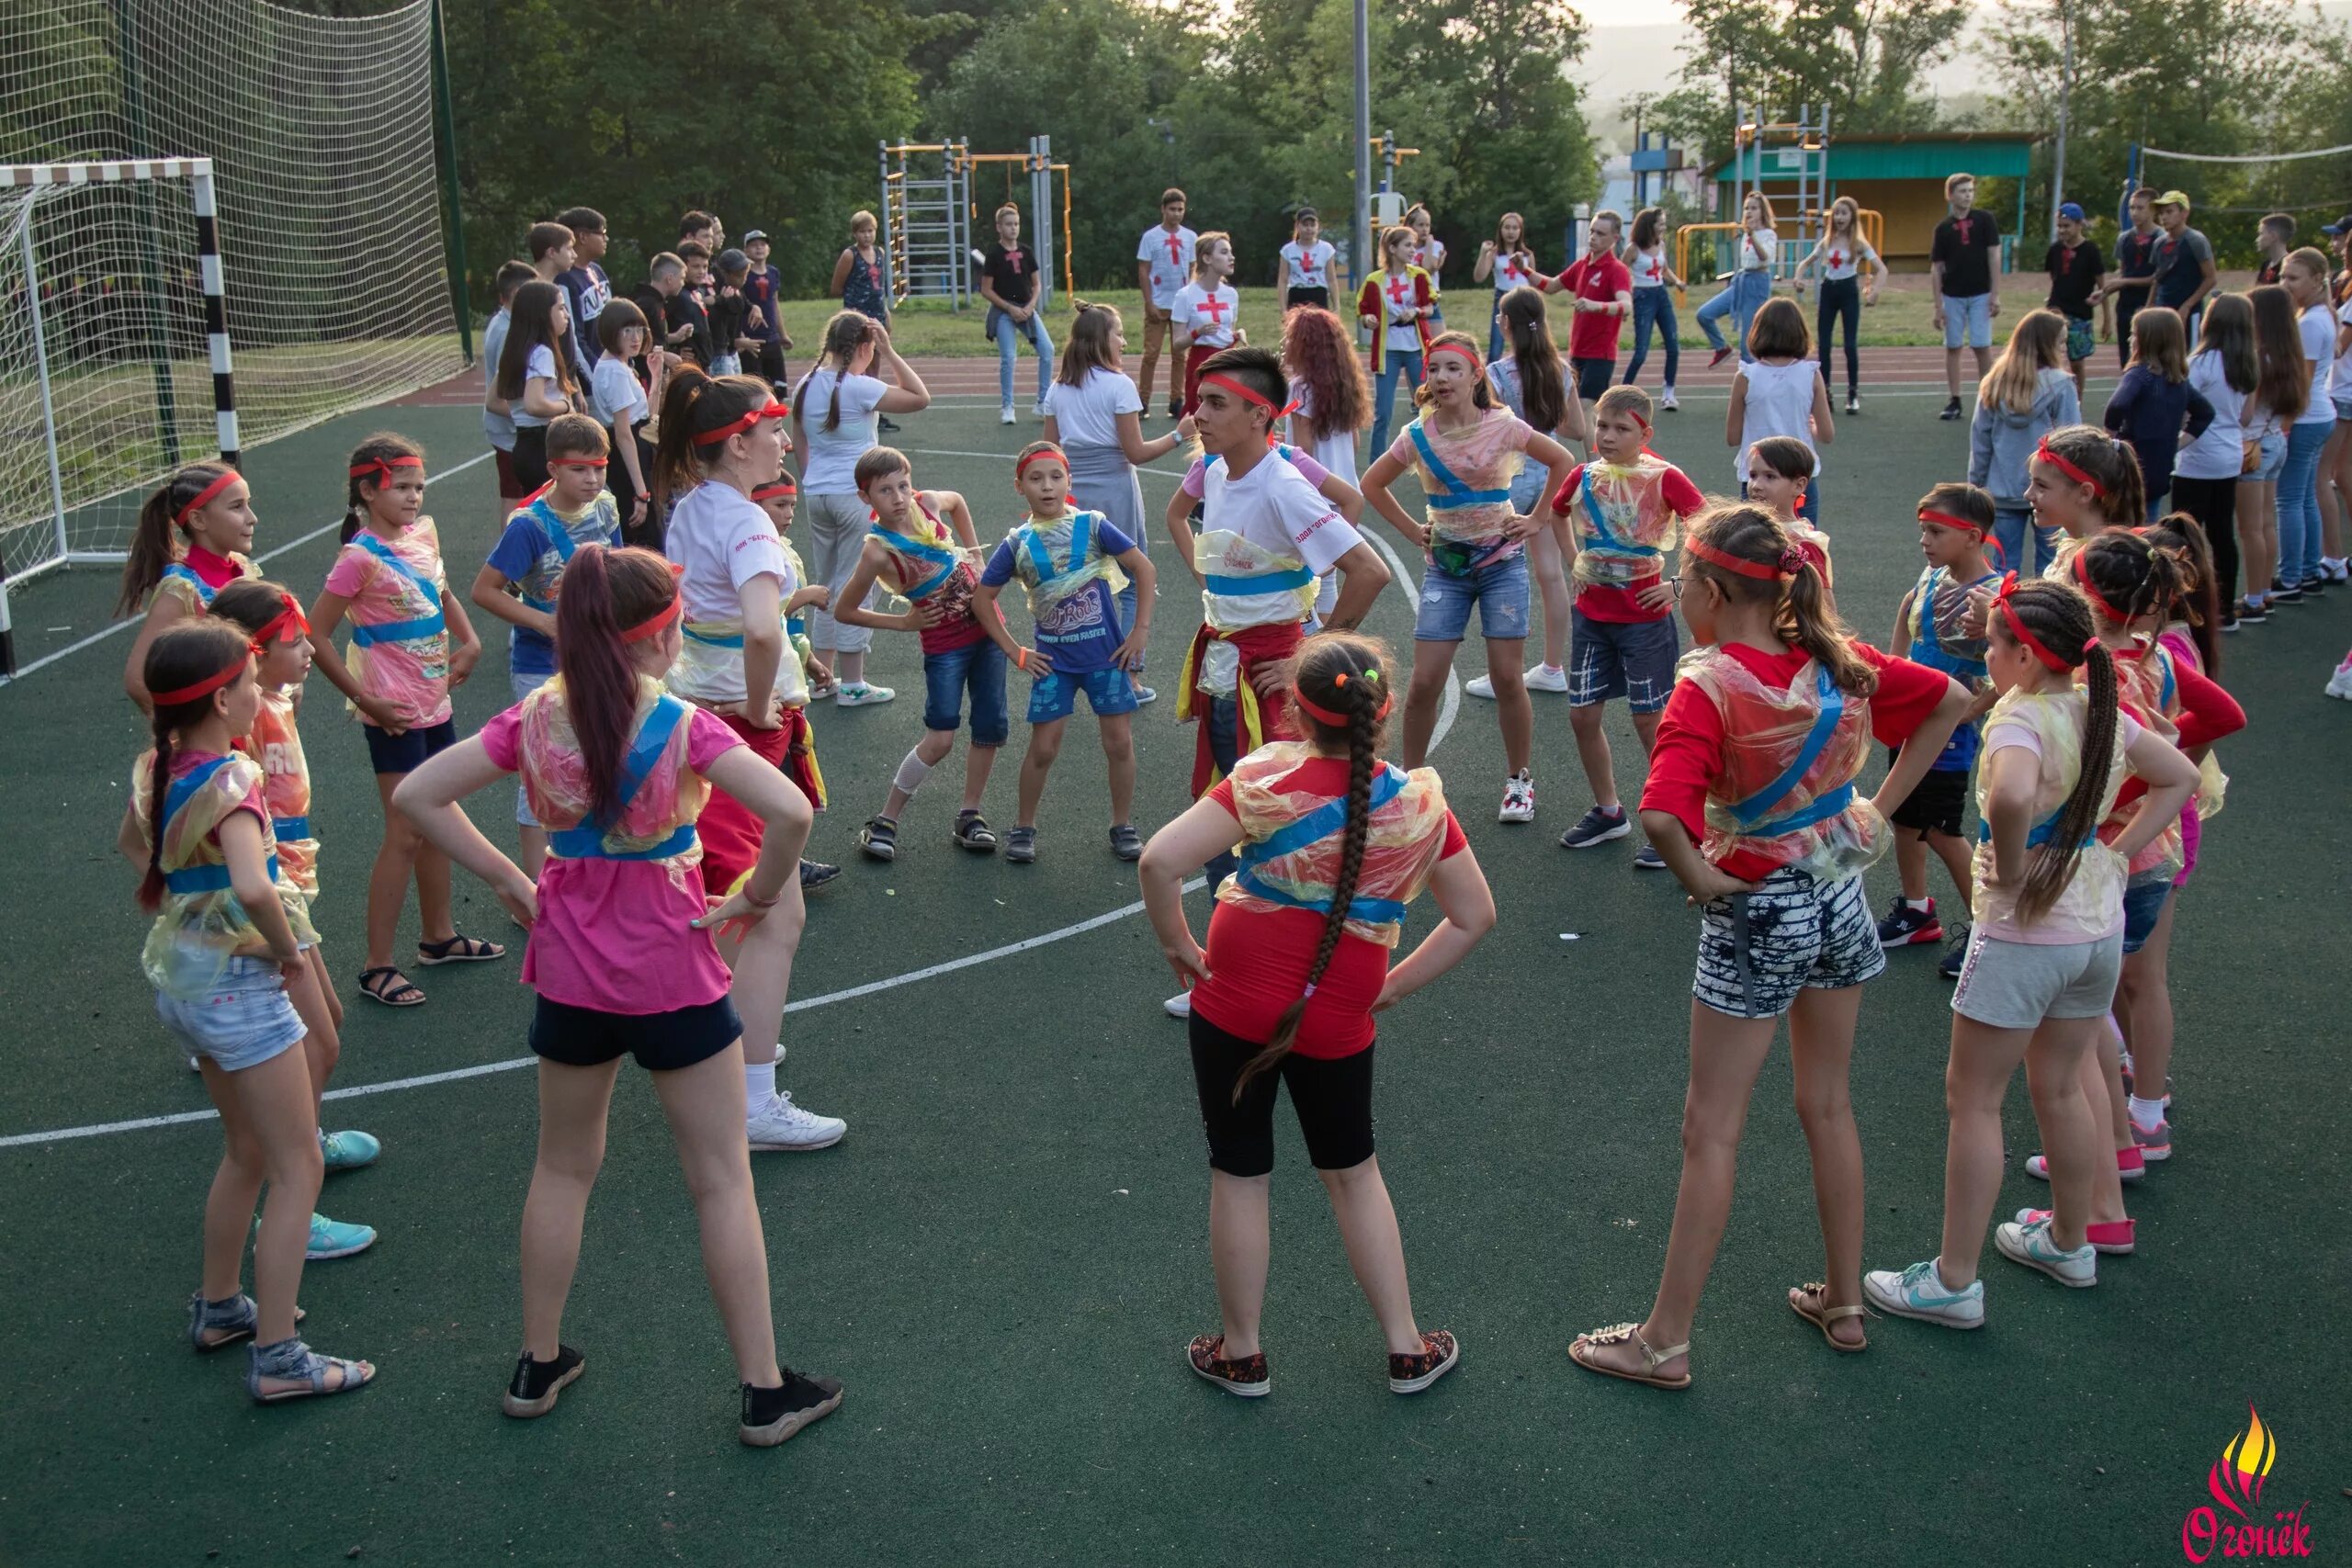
(1757, 950)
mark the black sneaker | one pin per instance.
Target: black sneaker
(1647, 858)
(2280, 594)
(815, 873)
(2313, 586)
(1905, 925)
(1951, 410)
(888, 426)
(1853, 403)
(771, 1416)
(1597, 827)
(536, 1383)
(1955, 957)
(2250, 614)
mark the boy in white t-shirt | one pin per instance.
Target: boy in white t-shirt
(1207, 310)
(1304, 271)
(1163, 266)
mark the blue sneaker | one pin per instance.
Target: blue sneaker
(1920, 1291)
(349, 1150)
(334, 1238)
(2030, 1244)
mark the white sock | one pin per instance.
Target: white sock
(2146, 1113)
(1920, 905)
(759, 1084)
(1552, 669)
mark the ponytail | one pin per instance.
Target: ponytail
(2113, 468)
(1791, 580)
(152, 547)
(2199, 599)
(1543, 383)
(696, 402)
(1340, 673)
(844, 334)
(184, 655)
(604, 592)
(384, 447)
(2060, 619)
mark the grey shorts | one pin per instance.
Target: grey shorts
(2016, 985)
(1757, 950)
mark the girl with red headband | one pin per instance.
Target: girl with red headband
(226, 958)
(270, 616)
(1624, 510)
(190, 541)
(1751, 800)
(1468, 449)
(1336, 844)
(519, 583)
(411, 647)
(2079, 480)
(722, 440)
(1931, 628)
(2027, 394)
(622, 956)
(2044, 952)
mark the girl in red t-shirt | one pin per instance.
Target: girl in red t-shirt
(1751, 801)
(1335, 843)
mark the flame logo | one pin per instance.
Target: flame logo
(2236, 1480)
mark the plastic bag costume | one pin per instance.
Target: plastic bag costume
(1786, 791)
(2093, 897)
(662, 796)
(201, 924)
(1623, 526)
(1291, 860)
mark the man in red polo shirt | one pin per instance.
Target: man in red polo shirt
(1603, 290)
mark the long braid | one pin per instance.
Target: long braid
(2062, 620)
(159, 784)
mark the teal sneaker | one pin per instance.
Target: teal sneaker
(1920, 1291)
(349, 1150)
(2030, 1244)
(334, 1238)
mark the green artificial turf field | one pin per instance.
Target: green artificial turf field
(1005, 1256)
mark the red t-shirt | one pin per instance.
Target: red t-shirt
(1257, 959)
(1689, 749)
(2207, 714)
(1592, 334)
(1601, 602)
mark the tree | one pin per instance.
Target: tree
(1864, 60)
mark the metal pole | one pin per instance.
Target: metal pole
(2065, 90)
(1363, 146)
(216, 316)
(134, 103)
(445, 126)
(40, 359)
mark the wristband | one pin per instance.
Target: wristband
(756, 901)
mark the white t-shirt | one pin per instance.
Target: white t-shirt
(1336, 452)
(1843, 258)
(1430, 257)
(1273, 507)
(1512, 271)
(1309, 267)
(2220, 452)
(1170, 256)
(498, 427)
(1088, 413)
(2318, 325)
(1757, 250)
(1780, 403)
(829, 458)
(724, 540)
(1648, 267)
(1207, 315)
(618, 396)
(2340, 378)
(540, 363)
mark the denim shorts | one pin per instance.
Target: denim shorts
(978, 668)
(1108, 692)
(407, 751)
(2143, 904)
(1969, 316)
(1498, 589)
(244, 1019)
(523, 685)
(2016, 985)
(1632, 659)
(2271, 458)
(1757, 950)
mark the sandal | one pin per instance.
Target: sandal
(1810, 1302)
(389, 986)
(238, 1324)
(1126, 842)
(306, 1365)
(880, 838)
(1021, 845)
(1619, 1333)
(973, 833)
(458, 948)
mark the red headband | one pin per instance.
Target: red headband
(1950, 520)
(1252, 395)
(771, 490)
(2082, 577)
(578, 462)
(1740, 566)
(1464, 349)
(1021, 466)
(383, 468)
(737, 426)
(1340, 720)
(179, 518)
(2044, 454)
(2033, 644)
(204, 687)
(276, 628)
(656, 624)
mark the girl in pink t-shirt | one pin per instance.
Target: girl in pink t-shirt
(411, 647)
(621, 952)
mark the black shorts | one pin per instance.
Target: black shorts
(1937, 805)
(1332, 1098)
(661, 1041)
(1319, 298)
(406, 753)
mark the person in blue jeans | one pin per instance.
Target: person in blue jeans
(1655, 281)
(1016, 299)
(1396, 304)
(1751, 279)
(2300, 543)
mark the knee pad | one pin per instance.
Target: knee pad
(912, 771)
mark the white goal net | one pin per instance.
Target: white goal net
(319, 137)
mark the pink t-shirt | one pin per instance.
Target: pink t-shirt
(412, 673)
(616, 935)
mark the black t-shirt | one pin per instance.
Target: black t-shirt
(2072, 274)
(2180, 265)
(2135, 257)
(684, 310)
(1011, 273)
(1966, 246)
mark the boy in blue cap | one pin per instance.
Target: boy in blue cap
(2076, 273)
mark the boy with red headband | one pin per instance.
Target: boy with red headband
(1626, 507)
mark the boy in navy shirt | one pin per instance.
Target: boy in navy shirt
(764, 291)
(585, 284)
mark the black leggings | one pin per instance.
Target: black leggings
(1841, 299)
(531, 456)
(2214, 504)
(1331, 1095)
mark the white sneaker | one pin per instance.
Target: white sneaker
(1667, 399)
(1038, 408)
(2031, 1245)
(1538, 678)
(1519, 798)
(1920, 1291)
(2340, 684)
(1178, 1006)
(862, 695)
(1005, 414)
(780, 1124)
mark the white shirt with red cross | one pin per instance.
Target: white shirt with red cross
(1207, 315)
(1170, 256)
(1513, 269)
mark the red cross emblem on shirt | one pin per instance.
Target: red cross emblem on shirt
(1657, 268)
(1175, 251)
(1397, 288)
(1837, 259)
(1511, 269)
(1214, 309)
